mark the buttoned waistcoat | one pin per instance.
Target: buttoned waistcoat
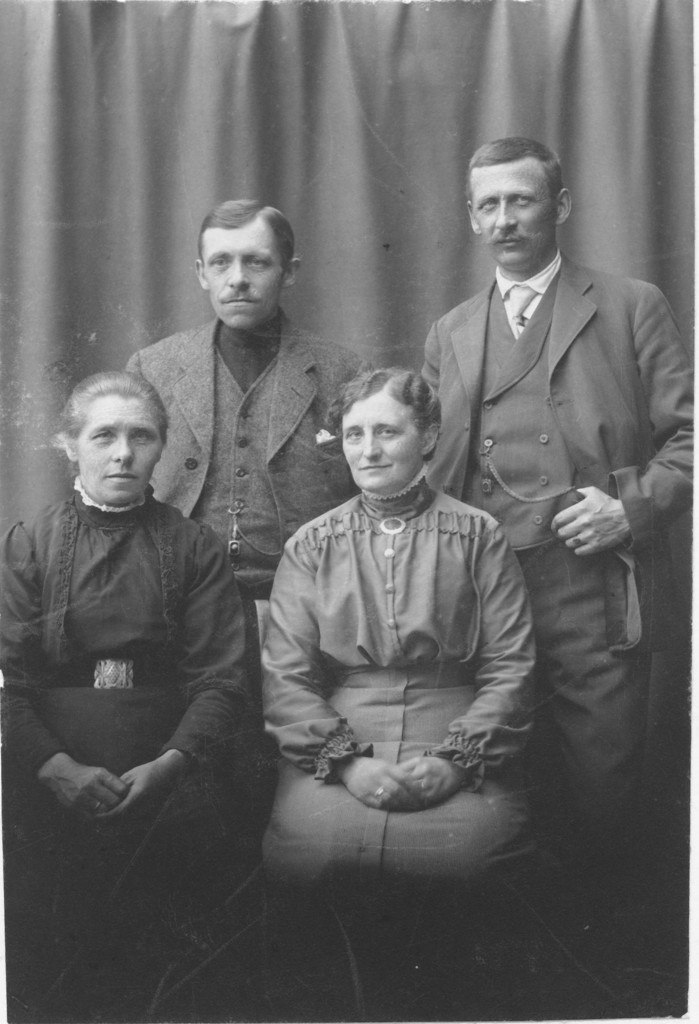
(306, 478)
(620, 388)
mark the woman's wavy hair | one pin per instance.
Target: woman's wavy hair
(102, 385)
(405, 386)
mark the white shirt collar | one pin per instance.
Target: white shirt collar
(539, 282)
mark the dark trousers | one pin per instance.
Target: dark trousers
(586, 756)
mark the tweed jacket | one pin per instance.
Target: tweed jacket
(619, 387)
(306, 478)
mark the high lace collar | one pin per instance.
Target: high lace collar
(87, 500)
(407, 504)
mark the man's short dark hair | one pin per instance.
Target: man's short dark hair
(235, 213)
(515, 147)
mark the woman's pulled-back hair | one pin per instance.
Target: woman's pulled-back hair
(405, 386)
(103, 385)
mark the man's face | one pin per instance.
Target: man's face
(512, 210)
(242, 271)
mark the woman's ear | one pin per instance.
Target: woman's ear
(429, 438)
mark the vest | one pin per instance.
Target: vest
(237, 501)
(520, 472)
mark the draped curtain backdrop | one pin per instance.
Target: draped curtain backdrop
(121, 124)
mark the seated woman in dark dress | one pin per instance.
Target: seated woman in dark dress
(124, 694)
(397, 685)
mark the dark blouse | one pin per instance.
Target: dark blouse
(80, 585)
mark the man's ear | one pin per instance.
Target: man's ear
(200, 274)
(290, 272)
(563, 206)
(474, 223)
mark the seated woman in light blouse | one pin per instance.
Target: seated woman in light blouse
(396, 673)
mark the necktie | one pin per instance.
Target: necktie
(519, 298)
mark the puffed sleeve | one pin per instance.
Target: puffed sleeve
(212, 644)
(496, 725)
(297, 677)
(21, 657)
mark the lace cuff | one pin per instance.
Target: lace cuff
(339, 749)
(465, 755)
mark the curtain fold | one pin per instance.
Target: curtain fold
(122, 124)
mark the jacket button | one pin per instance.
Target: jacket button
(487, 405)
(190, 463)
(488, 442)
(241, 472)
(538, 520)
(543, 480)
(243, 442)
(544, 438)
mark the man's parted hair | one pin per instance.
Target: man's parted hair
(404, 386)
(235, 213)
(515, 147)
(102, 385)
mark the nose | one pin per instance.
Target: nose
(370, 447)
(237, 275)
(505, 214)
(122, 451)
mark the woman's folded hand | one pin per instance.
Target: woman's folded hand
(85, 789)
(387, 787)
(150, 782)
(434, 777)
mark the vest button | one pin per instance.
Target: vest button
(391, 623)
(243, 442)
(538, 520)
(390, 588)
(488, 442)
(544, 438)
(241, 472)
(190, 463)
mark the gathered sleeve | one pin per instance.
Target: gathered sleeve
(496, 726)
(210, 666)
(297, 677)
(21, 657)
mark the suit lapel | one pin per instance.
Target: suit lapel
(194, 388)
(571, 312)
(294, 389)
(468, 342)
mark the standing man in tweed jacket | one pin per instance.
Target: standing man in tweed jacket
(247, 396)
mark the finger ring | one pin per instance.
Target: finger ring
(379, 792)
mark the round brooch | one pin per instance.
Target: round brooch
(392, 525)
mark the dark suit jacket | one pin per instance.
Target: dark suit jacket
(620, 387)
(306, 479)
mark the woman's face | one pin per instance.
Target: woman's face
(116, 449)
(382, 443)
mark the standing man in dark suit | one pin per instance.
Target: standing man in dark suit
(566, 411)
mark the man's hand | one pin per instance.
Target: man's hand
(85, 789)
(595, 524)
